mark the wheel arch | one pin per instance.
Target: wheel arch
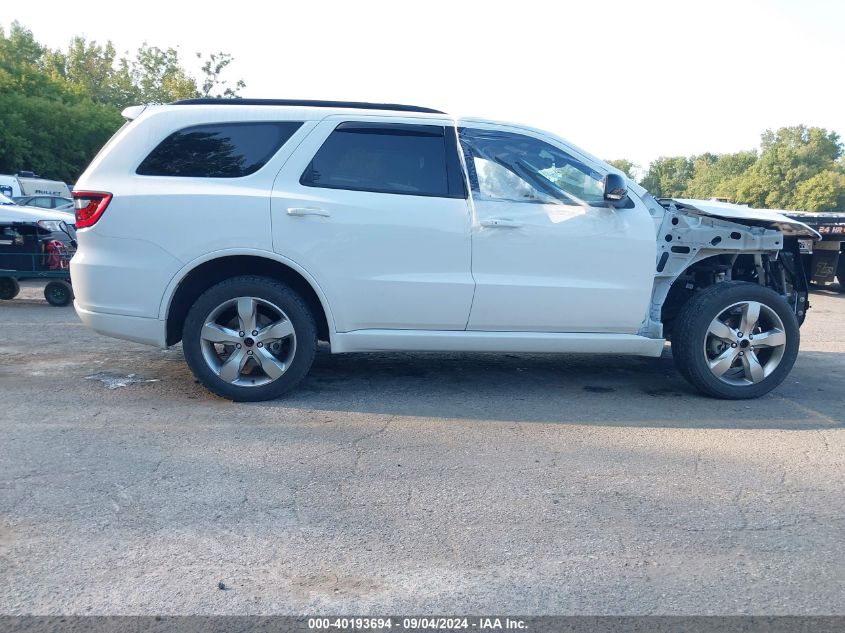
(201, 274)
(689, 244)
(778, 271)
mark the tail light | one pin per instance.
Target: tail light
(89, 207)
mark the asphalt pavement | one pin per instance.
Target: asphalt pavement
(414, 483)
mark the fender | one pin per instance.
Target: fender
(164, 306)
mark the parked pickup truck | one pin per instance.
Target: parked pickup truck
(250, 229)
(824, 260)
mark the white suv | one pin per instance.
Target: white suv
(251, 229)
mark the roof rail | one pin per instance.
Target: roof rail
(308, 103)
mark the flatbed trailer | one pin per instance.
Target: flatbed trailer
(824, 261)
(28, 252)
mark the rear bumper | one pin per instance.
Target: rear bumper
(120, 276)
(147, 331)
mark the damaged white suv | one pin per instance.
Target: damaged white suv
(251, 229)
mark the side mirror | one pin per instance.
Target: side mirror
(615, 189)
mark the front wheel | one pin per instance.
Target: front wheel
(735, 340)
(249, 339)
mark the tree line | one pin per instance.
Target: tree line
(797, 167)
(58, 107)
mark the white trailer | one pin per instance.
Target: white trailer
(28, 184)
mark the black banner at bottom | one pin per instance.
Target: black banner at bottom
(417, 623)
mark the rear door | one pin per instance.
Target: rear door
(376, 210)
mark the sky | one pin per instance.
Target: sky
(622, 79)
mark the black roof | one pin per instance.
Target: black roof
(358, 105)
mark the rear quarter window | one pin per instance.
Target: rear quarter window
(218, 150)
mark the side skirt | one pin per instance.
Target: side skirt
(528, 342)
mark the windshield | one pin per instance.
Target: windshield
(5, 200)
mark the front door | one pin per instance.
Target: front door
(548, 254)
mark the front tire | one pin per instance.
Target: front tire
(735, 340)
(249, 339)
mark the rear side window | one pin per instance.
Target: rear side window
(44, 203)
(418, 160)
(218, 150)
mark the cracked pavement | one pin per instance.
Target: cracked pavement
(415, 483)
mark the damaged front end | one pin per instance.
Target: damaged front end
(701, 243)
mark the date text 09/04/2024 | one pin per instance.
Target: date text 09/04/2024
(416, 623)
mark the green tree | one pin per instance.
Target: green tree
(159, 77)
(58, 107)
(718, 176)
(154, 75)
(22, 68)
(788, 157)
(668, 177)
(51, 137)
(823, 192)
(212, 69)
(624, 165)
(94, 72)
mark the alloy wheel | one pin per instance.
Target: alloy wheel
(745, 343)
(248, 341)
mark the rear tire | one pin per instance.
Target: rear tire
(249, 339)
(9, 288)
(58, 293)
(719, 359)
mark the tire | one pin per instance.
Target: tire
(263, 366)
(741, 367)
(9, 288)
(840, 271)
(58, 293)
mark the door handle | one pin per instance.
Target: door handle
(303, 211)
(500, 223)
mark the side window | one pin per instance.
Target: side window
(44, 203)
(518, 168)
(218, 150)
(417, 160)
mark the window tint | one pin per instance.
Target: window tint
(508, 166)
(44, 203)
(219, 150)
(388, 158)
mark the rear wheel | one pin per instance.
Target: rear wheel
(58, 293)
(9, 288)
(249, 339)
(735, 340)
